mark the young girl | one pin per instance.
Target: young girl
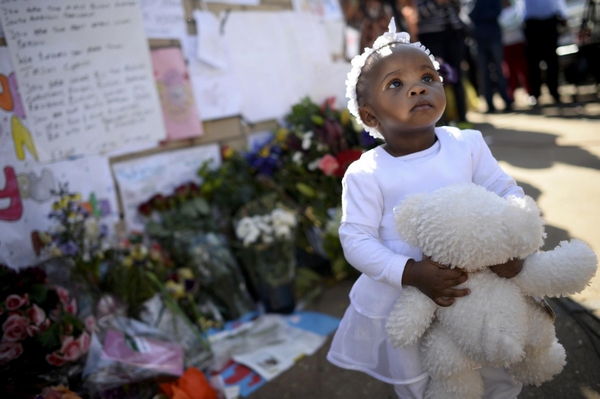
(396, 93)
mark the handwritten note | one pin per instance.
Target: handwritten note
(84, 74)
(163, 19)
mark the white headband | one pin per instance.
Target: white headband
(358, 62)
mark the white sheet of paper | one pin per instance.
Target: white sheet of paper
(272, 57)
(238, 2)
(140, 179)
(329, 80)
(163, 19)
(85, 75)
(216, 91)
(25, 185)
(211, 48)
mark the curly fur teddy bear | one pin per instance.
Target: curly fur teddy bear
(502, 321)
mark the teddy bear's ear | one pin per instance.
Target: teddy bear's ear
(407, 216)
(526, 226)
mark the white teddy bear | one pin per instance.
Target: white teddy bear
(500, 323)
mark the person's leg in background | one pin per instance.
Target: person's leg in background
(550, 44)
(534, 37)
(496, 55)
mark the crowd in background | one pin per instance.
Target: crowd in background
(494, 46)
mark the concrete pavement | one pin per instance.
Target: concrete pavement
(554, 153)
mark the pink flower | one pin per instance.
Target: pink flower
(328, 165)
(63, 295)
(84, 342)
(71, 307)
(14, 302)
(32, 329)
(71, 348)
(15, 328)
(10, 351)
(90, 324)
(55, 359)
(36, 314)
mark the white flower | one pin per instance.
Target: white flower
(283, 231)
(247, 231)
(307, 140)
(281, 217)
(313, 165)
(297, 158)
(91, 228)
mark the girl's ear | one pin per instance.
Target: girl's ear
(366, 115)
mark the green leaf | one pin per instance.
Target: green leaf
(306, 190)
(49, 339)
(37, 293)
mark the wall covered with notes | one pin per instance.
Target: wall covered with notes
(94, 91)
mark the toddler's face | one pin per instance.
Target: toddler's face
(404, 91)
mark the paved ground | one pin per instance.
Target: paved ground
(554, 153)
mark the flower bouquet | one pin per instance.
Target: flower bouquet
(77, 238)
(265, 229)
(128, 275)
(42, 338)
(307, 159)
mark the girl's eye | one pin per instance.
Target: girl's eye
(427, 79)
(394, 84)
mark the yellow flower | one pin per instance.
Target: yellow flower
(176, 290)
(185, 273)
(265, 151)
(56, 206)
(281, 134)
(128, 261)
(75, 197)
(345, 117)
(227, 152)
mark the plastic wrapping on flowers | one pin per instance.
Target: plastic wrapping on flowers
(266, 241)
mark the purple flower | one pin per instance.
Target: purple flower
(69, 248)
(366, 140)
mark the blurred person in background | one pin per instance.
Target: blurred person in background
(488, 37)
(513, 41)
(542, 21)
(442, 28)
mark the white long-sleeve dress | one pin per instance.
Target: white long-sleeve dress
(372, 187)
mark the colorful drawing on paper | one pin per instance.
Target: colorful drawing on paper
(180, 113)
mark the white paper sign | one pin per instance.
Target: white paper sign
(163, 19)
(273, 54)
(84, 74)
(140, 179)
(26, 186)
(216, 90)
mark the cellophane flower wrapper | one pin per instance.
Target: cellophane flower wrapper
(215, 266)
(125, 351)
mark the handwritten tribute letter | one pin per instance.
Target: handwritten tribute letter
(84, 73)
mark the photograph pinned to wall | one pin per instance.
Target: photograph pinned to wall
(26, 186)
(140, 179)
(87, 84)
(180, 113)
(163, 19)
(236, 2)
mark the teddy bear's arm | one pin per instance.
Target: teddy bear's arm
(565, 270)
(412, 314)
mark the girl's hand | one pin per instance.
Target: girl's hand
(435, 280)
(509, 269)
